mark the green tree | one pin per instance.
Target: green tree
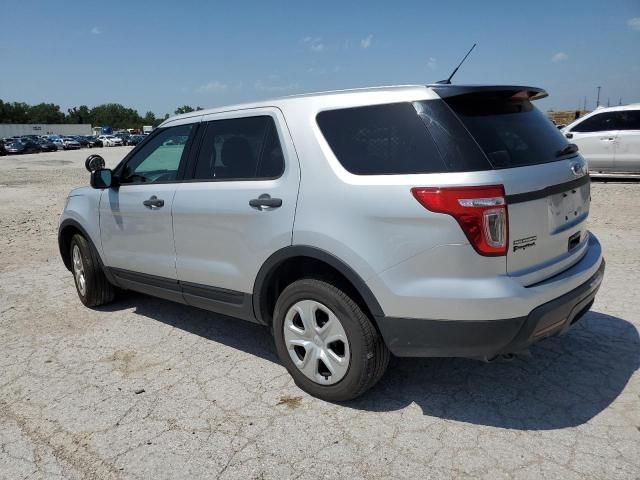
(186, 109)
(15, 112)
(79, 114)
(116, 116)
(45, 113)
(149, 119)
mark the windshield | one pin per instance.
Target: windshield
(510, 130)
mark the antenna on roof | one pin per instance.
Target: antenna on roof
(448, 80)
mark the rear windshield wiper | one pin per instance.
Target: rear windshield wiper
(568, 150)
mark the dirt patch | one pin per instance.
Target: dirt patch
(289, 401)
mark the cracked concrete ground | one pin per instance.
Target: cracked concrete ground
(148, 389)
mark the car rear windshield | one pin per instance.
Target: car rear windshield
(467, 133)
(509, 129)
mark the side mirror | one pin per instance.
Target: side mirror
(102, 178)
(94, 162)
(568, 135)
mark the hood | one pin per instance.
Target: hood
(81, 191)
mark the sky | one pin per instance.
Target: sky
(156, 56)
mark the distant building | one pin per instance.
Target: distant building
(8, 130)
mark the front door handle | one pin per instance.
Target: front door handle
(153, 202)
(265, 201)
(607, 139)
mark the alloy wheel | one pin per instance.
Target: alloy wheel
(78, 271)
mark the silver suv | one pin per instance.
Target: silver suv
(440, 220)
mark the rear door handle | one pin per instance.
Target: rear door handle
(608, 139)
(265, 201)
(153, 202)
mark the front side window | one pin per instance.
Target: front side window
(159, 159)
(240, 149)
(600, 122)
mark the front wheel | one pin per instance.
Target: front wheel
(91, 283)
(327, 343)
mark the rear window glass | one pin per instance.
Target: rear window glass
(380, 140)
(510, 131)
(400, 138)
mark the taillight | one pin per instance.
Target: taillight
(481, 212)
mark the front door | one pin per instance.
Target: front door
(235, 208)
(595, 137)
(135, 217)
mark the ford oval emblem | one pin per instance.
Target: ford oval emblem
(578, 169)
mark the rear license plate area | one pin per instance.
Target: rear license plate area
(568, 208)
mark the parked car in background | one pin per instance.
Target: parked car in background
(110, 140)
(22, 145)
(82, 141)
(47, 145)
(135, 139)
(3, 151)
(70, 143)
(609, 140)
(94, 142)
(125, 137)
(441, 220)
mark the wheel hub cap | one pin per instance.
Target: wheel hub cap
(78, 271)
(317, 342)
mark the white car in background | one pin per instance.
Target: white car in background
(69, 143)
(110, 140)
(609, 139)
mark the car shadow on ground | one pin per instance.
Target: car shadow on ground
(564, 383)
(245, 336)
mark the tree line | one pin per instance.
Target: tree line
(112, 114)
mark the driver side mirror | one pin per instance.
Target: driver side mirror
(568, 135)
(102, 178)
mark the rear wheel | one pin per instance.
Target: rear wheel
(91, 283)
(327, 343)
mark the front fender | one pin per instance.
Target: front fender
(81, 213)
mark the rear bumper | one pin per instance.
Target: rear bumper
(410, 337)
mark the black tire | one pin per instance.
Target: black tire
(98, 290)
(369, 354)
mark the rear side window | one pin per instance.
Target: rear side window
(401, 138)
(380, 140)
(508, 128)
(240, 149)
(600, 122)
(629, 119)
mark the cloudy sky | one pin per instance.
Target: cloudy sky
(162, 54)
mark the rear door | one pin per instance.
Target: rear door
(546, 183)
(627, 145)
(235, 208)
(596, 137)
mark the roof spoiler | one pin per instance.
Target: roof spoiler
(446, 91)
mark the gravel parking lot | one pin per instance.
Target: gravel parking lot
(148, 389)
